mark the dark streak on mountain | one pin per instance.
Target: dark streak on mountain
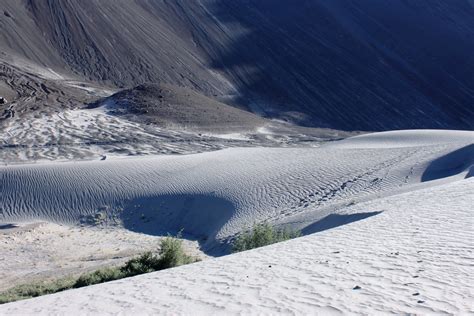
(344, 64)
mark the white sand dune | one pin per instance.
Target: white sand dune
(406, 138)
(415, 257)
(215, 195)
(405, 195)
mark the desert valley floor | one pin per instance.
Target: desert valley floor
(343, 127)
(386, 218)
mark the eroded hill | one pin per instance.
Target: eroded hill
(362, 65)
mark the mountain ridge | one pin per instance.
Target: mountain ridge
(338, 64)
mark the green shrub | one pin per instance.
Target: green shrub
(262, 235)
(99, 276)
(172, 254)
(144, 264)
(26, 291)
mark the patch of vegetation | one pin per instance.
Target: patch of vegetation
(146, 263)
(25, 291)
(262, 235)
(99, 276)
(171, 255)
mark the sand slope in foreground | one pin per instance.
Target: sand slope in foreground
(414, 257)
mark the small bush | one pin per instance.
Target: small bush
(172, 254)
(262, 235)
(99, 276)
(144, 264)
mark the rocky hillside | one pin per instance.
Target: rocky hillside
(175, 107)
(350, 65)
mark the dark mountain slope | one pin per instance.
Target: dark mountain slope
(352, 65)
(175, 107)
(123, 42)
(364, 64)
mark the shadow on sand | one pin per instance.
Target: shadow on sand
(451, 164)
(196, 216)
(336, 220)
(8, 226)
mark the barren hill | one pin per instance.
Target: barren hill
(173, 106)
(365, 65)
